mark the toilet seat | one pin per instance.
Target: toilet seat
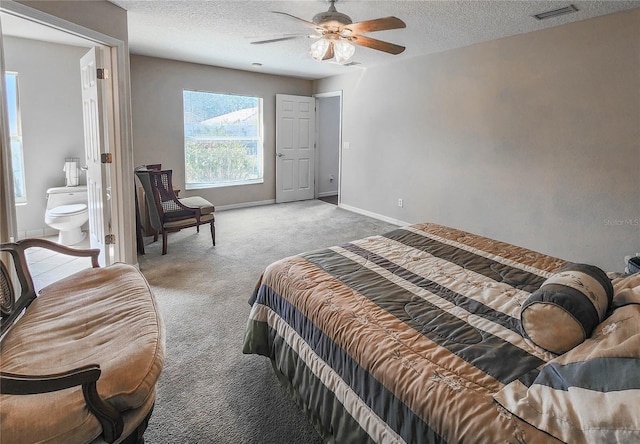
(67, 210)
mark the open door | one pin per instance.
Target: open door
(295, 137)
(96, 151)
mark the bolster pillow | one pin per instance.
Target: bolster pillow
(567, 307)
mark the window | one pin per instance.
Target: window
(15, 133)
(222, 139)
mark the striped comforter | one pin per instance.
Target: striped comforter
(403, 337)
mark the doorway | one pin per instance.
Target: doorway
(49, 112)
(308, 140)
(328, 142)
(39, 26)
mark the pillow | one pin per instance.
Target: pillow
(566, 308)
(590, 394)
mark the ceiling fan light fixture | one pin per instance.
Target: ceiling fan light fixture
(319, 48)
(343, 50)
(337, 35)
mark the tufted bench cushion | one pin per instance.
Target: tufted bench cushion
(105, 316)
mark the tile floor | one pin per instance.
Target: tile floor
(47, 266)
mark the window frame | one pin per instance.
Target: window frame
(17, 158)
(259, 140)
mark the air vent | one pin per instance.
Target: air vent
(556, 12)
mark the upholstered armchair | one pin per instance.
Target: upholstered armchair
(167, 212)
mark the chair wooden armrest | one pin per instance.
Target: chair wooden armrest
(166, 197)
(17, 384)
(86, 376)
(22, 245)
(12, 308)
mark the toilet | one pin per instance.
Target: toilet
(67, 212)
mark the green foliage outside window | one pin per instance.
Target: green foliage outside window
(219, 161)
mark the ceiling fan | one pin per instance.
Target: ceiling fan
(336, 34)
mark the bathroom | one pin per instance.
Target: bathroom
(50, 104)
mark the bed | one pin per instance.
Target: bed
(431, 334)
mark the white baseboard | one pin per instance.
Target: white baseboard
(52, 232)
(245, 205)
(38, 232)
(373, 215)
(328, 193)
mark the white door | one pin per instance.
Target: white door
(295, 136)
(95, 144)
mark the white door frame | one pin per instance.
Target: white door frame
(8, 227)
(121, 170)
(322, 96)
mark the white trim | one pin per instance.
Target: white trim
(373, 215)
(328, 193)
(35, 15)
(9, 231)
(328, 94)
(245, 205)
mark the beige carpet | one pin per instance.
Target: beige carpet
(209, 391)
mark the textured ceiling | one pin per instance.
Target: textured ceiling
(219, 32)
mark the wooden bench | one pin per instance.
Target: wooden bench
(79, 359)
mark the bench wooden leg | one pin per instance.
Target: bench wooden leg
(137, 436)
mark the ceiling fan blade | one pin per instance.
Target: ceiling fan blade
(306, 22)
(368, 42)
(381, 24)
(280, 39)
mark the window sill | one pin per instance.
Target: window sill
(201, 186)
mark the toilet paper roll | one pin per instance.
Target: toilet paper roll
(71, 174)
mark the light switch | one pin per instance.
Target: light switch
(346, 145)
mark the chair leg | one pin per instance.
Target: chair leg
(164, 242)
(213, 233)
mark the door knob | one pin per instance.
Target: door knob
(280, 155)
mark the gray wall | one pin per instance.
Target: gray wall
(328, 141)
(52, 128)
(532, 139)
(158, 135)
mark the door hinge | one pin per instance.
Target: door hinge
(109, 239)
(106, 158)
(102, 73)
